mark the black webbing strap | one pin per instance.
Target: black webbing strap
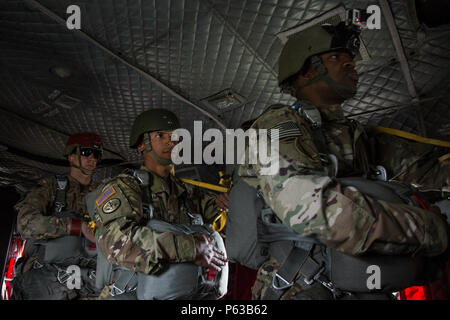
(147, 204)
(319, 140)
(125, 281)
(299, 262)
(145, 181)
(329, 161)
(60, 199)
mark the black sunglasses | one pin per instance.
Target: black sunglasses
(86, 152)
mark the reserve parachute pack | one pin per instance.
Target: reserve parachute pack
(176, 280)
(67, 250)
(183, 280)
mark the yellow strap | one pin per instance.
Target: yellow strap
(220, 221)
(92, 226)
(225, 179)
(91, 223)
(445, 157)
(205, 185)
(200, 184)
(412, 136)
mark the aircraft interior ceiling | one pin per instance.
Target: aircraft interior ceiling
(213, 61)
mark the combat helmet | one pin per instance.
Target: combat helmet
(313, 42)
(83, 140)
(152, 120)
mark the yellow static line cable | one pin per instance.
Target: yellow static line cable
(445, 157)
(221, 220)
(200, 184)
(412, 136)
(205, 185)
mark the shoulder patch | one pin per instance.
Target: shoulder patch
(286, 129)
(105, 195)
(111, 206)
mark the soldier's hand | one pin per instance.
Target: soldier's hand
(87, 232)
(206, 254)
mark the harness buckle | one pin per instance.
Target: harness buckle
(59, 206)
(37, 264)
(315, 277)
(337, 293)
(61, 181)
(92, 274)
(197, 219)
(114, 291)
(312, 114)
(276, 282)
(62, 276)
(147, 210)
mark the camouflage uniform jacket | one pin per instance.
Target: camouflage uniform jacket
(35, 220)
(306, 199)
(122, 235)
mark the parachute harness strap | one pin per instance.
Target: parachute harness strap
(148, 148)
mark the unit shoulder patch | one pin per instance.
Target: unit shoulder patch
(111, 206)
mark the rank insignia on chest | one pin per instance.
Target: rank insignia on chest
(105, 195)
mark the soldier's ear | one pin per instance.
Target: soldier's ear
(141, 146)
(307, 71)
(309, 74)
(305, 77)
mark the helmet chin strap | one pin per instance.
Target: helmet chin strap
(344, 91)
(148, 148)
(79, 167)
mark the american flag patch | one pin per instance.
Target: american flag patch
(105, 195)
(286, 129)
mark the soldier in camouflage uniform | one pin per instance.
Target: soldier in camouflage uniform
(121, 233)
(317, 67)
(47, 215)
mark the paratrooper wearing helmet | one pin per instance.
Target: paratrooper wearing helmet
(54, 219)
(318, 147)
(150, 229)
